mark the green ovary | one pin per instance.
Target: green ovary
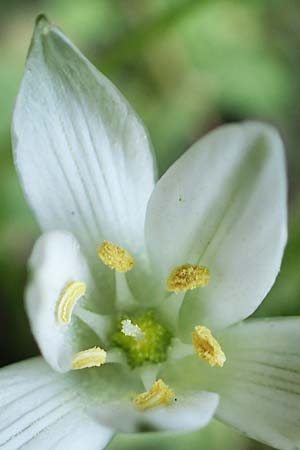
(152, 348)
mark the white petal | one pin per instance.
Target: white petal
(56, 260)
(189, 412)
(83, 156)
(259, 385)
(39, 409)
(222, 205)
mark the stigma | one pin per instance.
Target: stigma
(158, 395)
(207, 347)
(115, 257)
(72, 292)
(131, 329)
(188, 277)
(93, 357)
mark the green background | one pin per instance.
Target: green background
(186, 66)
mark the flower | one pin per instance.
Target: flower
(137, 289)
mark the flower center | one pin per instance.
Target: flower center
(142, 338)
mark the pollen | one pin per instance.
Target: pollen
(188, 277)
(70, 295)
(115, 257)
(158, 395)
(207, 347)
(93, 357)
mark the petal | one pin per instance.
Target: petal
(56, 260)
(41, 410)
(82, 154)
(190, 412)
(259, 385)
(222, 205)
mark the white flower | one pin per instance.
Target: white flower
(141, 285)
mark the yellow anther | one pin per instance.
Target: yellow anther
(159, 395)
(188, 277)
(115, 257)
(207, 347)
(71, 293)
(93, 357)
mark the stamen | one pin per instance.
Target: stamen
(70, 295)
(115, 257)
(188, 277)
(130, 329)
(159, 395)
(93, 357)
(207, 347)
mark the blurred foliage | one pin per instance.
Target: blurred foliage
(186, 66)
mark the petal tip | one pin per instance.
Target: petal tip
(42, 24)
